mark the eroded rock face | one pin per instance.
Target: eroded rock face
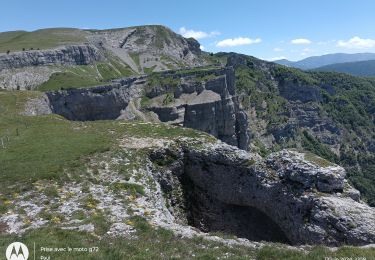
(308, 116)
(209, 106)
(157, 47)
(67, 55)
(294, 197)
(99, 103)
(294, 91)
(25, 78)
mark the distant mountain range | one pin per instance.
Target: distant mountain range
(324, 60)
(359, 68)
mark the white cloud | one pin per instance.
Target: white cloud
(300, 41)
(357, 43)
(277, 49)
(201, 47)
(187, 33)
(237, 42)
(277, 58)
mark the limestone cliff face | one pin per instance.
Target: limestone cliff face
(295, 91)
(200, 100)
(98, 103)
(210, 106)
(68, 55)
(288, 197)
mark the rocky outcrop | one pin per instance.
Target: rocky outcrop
(207, 105)
(97, 103)
(155, 46)
(296, 91)
(67, 55)
(202, 100)
(37, 106)
(288, 197)
(308, 116)
(26, 78)
(150, 48)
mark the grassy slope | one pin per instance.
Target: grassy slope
(42, 39)
(86, 75)
(79, 76)
(41, 147)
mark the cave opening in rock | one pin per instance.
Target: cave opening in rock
(211, 215)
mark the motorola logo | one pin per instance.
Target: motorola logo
(17, 251)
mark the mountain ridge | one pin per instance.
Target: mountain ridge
(359, 68)
(327, 59)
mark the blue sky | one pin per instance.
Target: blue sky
(267, 29)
